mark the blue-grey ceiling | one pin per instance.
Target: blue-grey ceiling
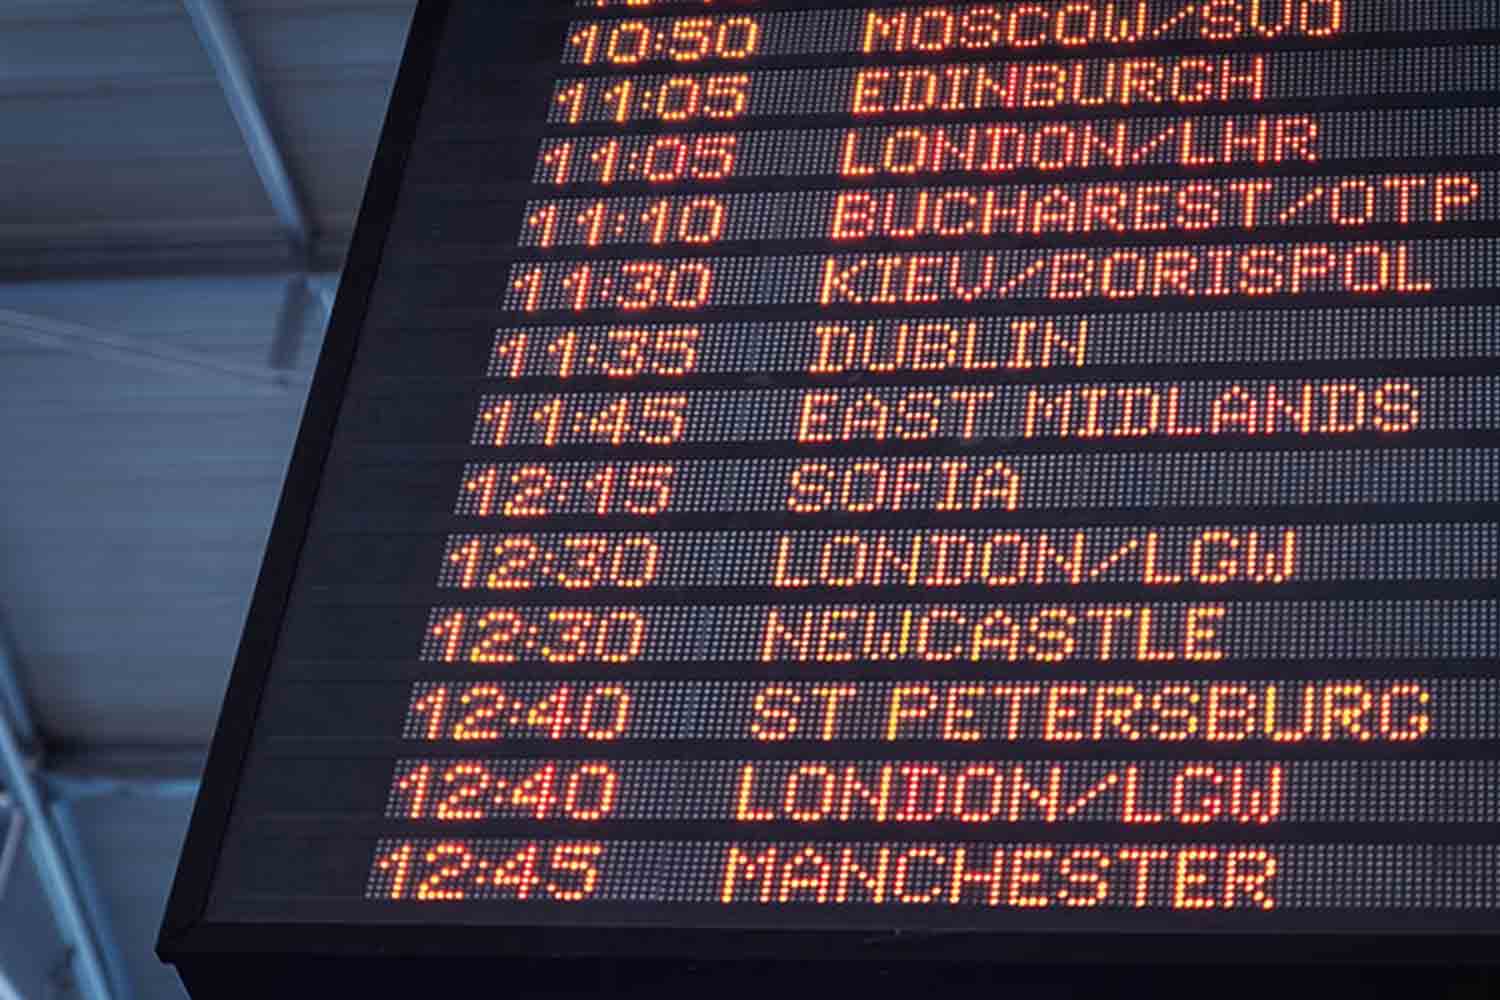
(155, 346)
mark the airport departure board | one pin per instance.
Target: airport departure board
(984, 468)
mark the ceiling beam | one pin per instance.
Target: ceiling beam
(58, 877)
(90, 897)
(125, 772)
(291, 322)
(137, 352)
(15, 829)
(8, 990)
(212, 256)
(13, 705)
(327, 289)
(72, 788)
(226, 52)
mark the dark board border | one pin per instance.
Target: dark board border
(224, 768)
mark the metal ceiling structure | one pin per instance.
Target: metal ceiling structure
(178, 181)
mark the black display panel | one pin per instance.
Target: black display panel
(784, 478)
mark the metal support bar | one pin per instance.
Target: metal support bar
(220, 39)
(135, 352)
(52, 866)
(70, 788)
(66, 829)
(15, 829)
(8, 990)
(46, 849)
(286, 346)
(124, 772)
(327, 290)
(12, 699)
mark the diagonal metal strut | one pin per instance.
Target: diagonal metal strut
(47, 849)
(226, 51)
(136, 352)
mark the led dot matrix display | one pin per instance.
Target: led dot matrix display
(979, 467)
